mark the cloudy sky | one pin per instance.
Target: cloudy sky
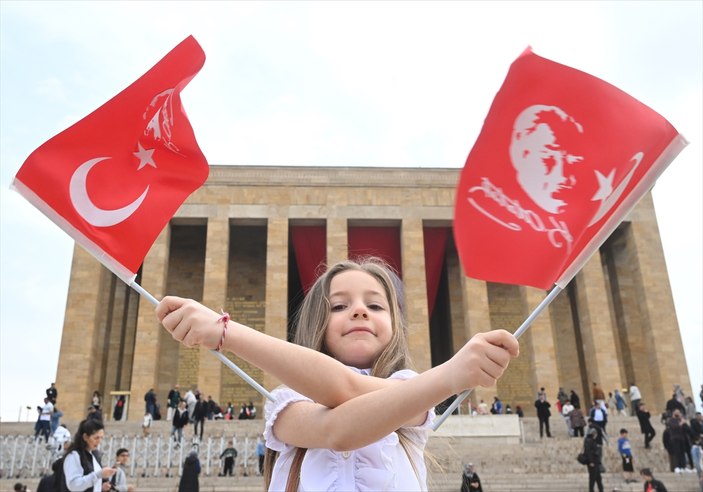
(333, 83)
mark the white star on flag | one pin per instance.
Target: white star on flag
(605, 186)
(146, 157)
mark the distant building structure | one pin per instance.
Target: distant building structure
(252, 238)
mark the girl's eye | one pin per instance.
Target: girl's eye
(337, 307)
(376, 307)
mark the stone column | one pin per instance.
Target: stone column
(663, 348)
(147, 346)
(215, 297)
(276, 285)
(337, 240)
(477, 319)
(73, 377)
(412, 248)
(594, 314)
(541, 348)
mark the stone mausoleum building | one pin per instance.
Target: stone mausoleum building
(252, 238)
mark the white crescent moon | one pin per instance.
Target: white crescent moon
(87, 209)
(608, 203)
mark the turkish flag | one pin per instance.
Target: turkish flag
(113, 180)
(561, 159)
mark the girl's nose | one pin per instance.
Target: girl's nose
(360, 311)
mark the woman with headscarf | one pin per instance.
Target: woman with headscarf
(469, 480)
(189, 477)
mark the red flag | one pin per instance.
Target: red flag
(113, 180)
(560, 160)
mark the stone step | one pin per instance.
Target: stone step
(504, 482)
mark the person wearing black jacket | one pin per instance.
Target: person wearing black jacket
(469, 480)
(543, 414)
(179, 421)
(651, 484)
(590, 449)
(645, 425)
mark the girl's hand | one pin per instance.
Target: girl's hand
(190, 322)
(107, 472)
(482, 360)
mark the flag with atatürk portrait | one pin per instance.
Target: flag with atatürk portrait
(561, 159)
(114, 179)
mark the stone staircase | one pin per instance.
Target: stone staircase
(532, 464)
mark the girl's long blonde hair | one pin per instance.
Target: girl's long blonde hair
(311, 325)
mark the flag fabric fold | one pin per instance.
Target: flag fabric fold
(114, 179)
(561, 159)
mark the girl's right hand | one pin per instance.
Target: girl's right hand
(190, 322)
(107, 472)
(482, 360)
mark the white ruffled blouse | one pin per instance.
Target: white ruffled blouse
(383, 465)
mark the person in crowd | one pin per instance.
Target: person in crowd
(146, 423)
(679, 446)
(229, 455)
(97, 400)
(625, 450)
(697, 458)
(543, 414)
(119, 479)
(229, 413)
(635, 398)
(20, 487)
(55, 419)
(519, 412)
(689, 407)
(620, 403)
(45, 419)
(578, 422)
(696, 424)
(610, 404)
(598, 394)
(180, 420)
(252, 410)
(94, 413)
(191, 401)
(593, 456)
(483, 408)
(674, 404)
(61, 439)
(497, 406)
(190, 481)
(81, 468)
(651, 484)
(244, 412)
(210, 408)
(199, 416)
(52, 393)
(260, 454)
(575, 400)
(470, 481)
(599, 416)
(348, 397)
(643, 416)
(48, 482)
(118, 411)
(566, 410)
(150, 402)
(172, 399)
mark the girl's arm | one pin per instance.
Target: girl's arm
(295, 366)
(345, 401)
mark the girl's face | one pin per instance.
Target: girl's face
(93, 441)
(360, 320)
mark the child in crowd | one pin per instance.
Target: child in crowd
(351, 415)
(146, 424)
(625, 450)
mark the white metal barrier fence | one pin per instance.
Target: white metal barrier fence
(151, 456)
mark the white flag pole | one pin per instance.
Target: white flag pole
(522, 329)
(217, 354)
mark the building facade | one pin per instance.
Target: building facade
(252, 238)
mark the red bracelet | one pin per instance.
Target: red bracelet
(225, 319)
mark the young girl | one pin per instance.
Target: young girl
(350, 415)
